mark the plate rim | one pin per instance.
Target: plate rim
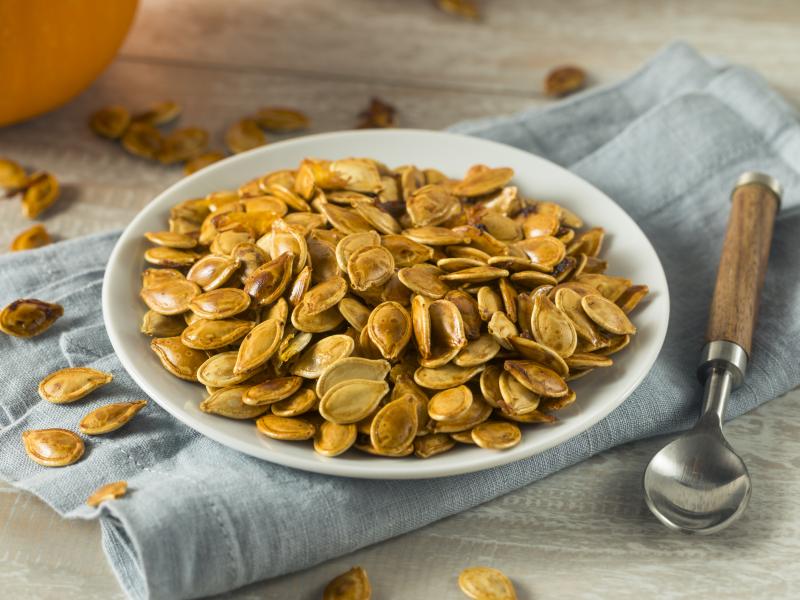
(324, 465)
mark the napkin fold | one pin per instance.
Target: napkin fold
(667, 144)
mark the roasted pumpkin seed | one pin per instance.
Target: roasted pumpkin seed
(351, 585)
(71, 384)
(110, 417)
(33, 237)
(53, 447)
(109, 491)
(29, 317)
(485, 583)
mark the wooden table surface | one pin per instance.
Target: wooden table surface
(582, 533)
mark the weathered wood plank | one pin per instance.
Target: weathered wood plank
(509, 51)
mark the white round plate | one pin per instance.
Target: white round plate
(627, 250)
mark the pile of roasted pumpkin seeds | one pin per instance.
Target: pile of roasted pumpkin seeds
(396, 311)
(139, 134)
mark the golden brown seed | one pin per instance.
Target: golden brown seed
(389, 328)
(562, 81)
(29, 317)
(110, 417)
(450, 404)
(326, 352)
(539, 353)
(142, 140)
(202, 161)
(394, 426)
(109, 491)
(170, 296)
(227, 402)
(467, 9)
(352, 367)
(607, 315)
(171, 239)
(71, 384)
(485, 583)
(432, 444)
(244, 135)
(285, 428)
(352, 400)
(156, 325)
(298, 403)
(332, 439)
(160, 113)
(110, 122)
(319, 323)
(259, 345)
(378, 114)
(551, 327)
(281, 120)
(218, 371)
(496, 435)
(220, 303)
(369, 267)
(170, 257)
(537, 378)
(424, 279)
(53, 447)
(352, 585)
(12, 176)
(325, 295)
(632, 297)
(41, 192)
(207, 334)
(446, 376)
(182, 145)
(180, 360)
(33, 237)
(272, 390)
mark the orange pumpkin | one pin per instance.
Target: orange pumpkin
(50, 50)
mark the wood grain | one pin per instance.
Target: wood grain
(743, 265)
(582, 533)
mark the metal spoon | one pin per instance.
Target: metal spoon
(697, 483)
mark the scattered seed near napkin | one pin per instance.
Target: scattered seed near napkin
(667, 144)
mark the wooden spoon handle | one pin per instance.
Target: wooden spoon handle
(743, 263)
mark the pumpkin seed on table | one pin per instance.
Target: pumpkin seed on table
(71, 384)
(485, 583)
(279, 119)
(33, 237)
(378, 114)
(41, 192)
(110, 417)
(350, 585)
(159, 113)
(244, 135)
(201, 161)
(29, 317)
(143, 140)
(12, 176)
(363, 306)
(53, 447)
(565, 80)
(182, 145)
(109, 491)
(110, 121)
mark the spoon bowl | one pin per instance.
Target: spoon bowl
(697, 483)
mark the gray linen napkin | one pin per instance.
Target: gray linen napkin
(666, 144)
